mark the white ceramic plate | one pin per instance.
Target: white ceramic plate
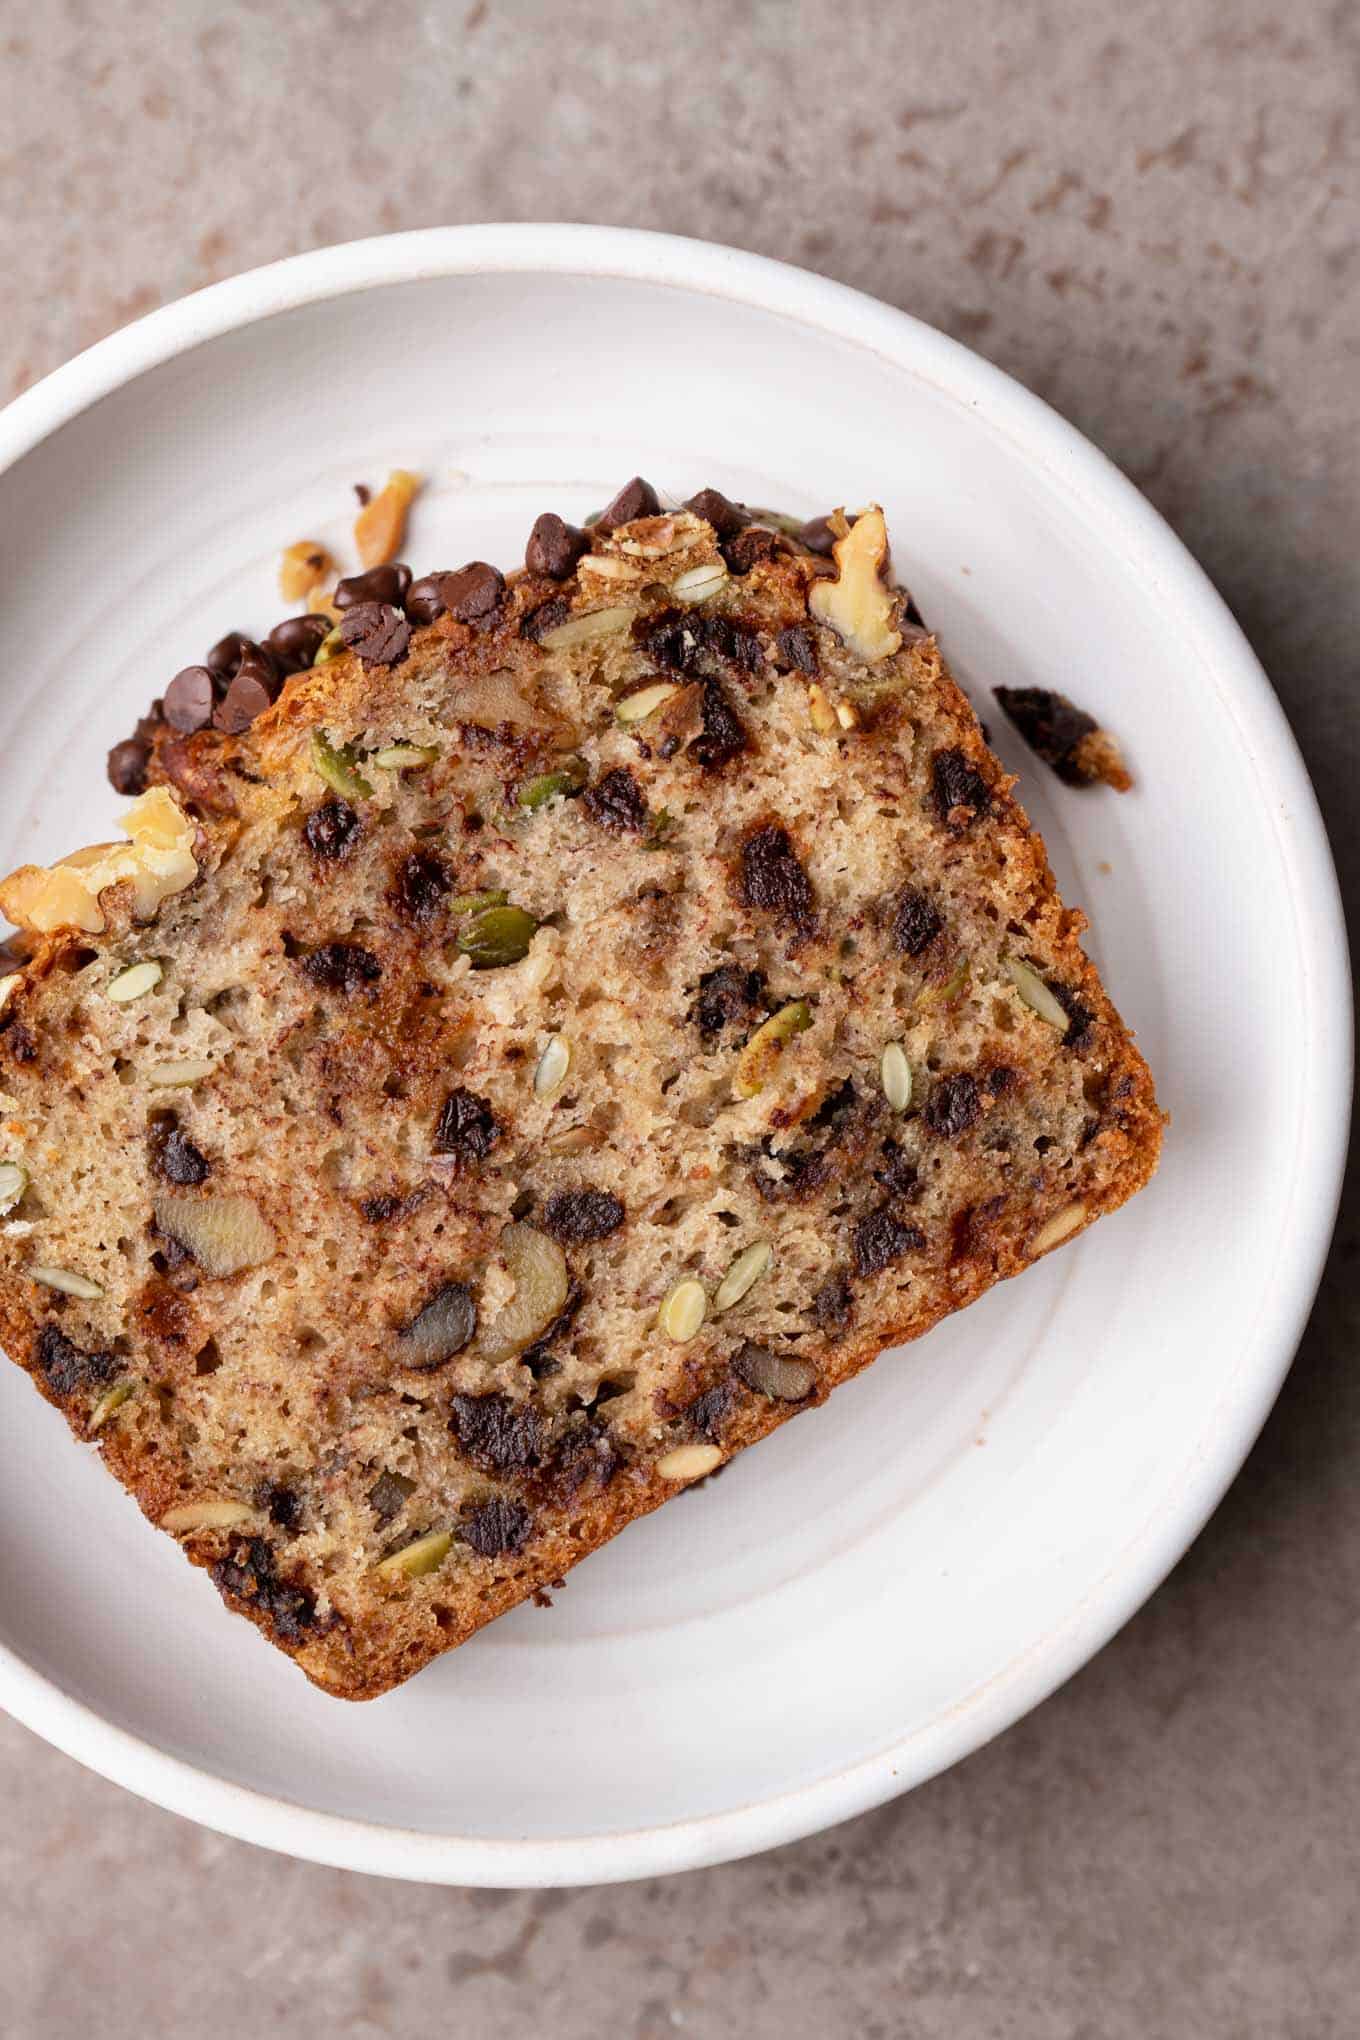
(882, 1586)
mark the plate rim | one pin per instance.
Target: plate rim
(838, 311)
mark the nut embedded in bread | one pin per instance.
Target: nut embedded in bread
(548, 1032)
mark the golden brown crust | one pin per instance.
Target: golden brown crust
(330, 999)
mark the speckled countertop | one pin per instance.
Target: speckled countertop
(1148, 213)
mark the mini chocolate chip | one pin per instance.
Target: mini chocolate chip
(898, 1176)
(1051, 725)
(1001, 1079)
(726, 517)
(65, 1367)
(635, 499)
(377, 1210)
(473, 594)
(173, 1155)
(425, 598)
(127, 766)
(387, 584)
(554, 547)
(332, 830)
(773, 880)
(832, 1304)
(421, 884)
(467, 1127)
(293, 644)
(246, 698)
(576, 1217)
(616, 802)
(953, 1106)
(226, 654)
(751, 546)
(818, 536)
(880, 1239)
(377, 632)
(189, 699)
(915, 922)
(389, 1495)
(723, 735)
(726, 994)
(546, 617)
(797, 648)
(495, 1526)
(283, 1503)
(960, 793)
(497, 1433)
(340, 967)
(363, 493)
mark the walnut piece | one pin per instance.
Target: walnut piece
(380, 527)
(302, 568)
(858, 603)
(156, 862)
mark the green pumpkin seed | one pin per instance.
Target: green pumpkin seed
(497, 936)
(565, 779)
(338, 767)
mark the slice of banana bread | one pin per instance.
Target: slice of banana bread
(524, 1056)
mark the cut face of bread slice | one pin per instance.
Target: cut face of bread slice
(558, 1036)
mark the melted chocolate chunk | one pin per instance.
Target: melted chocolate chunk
(1080, 1018)
(554, 547)
(797, 649)
(723, 734)
(174, 1157)
(959, 792)
(495, 1526)
(1002, 1079)
(880, 1239)
(340, 967)
(616, 802)
(915, 922)
(332, 830)
(709, 1412)
(953, 1106)
(467, 1127)
(773, 880)
(283, 1504)
(389, 1495)
(65, 1368)
(1051, 725)
(421, 884)
(576, 1217)
(377, 633)
(497, 1433)
(546, 617)
(726, 994)
(832, 1305)
(899, 1177)
(751, 546)
(587, 1454)
(249, 1575)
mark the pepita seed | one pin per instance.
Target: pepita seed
(1062, 1224)
(330, 646)
(133, 982)
(689, 1462)
(167, 1075)
(13, 1183)
(207, 1515)
(896, 1074)
(415, 1560)
(552, 1068)
(566, 778)
(497, 936)
(338, 764)
(1036, 993)
(743, 1274)
(683, 1311)
(820, 712)
(68, 1283)
(636, 707)
(755, 1064)
(111, 1400)
(583, 630)
(699, 582)
(404, 757)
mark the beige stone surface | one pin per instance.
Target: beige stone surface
(1148, 213)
